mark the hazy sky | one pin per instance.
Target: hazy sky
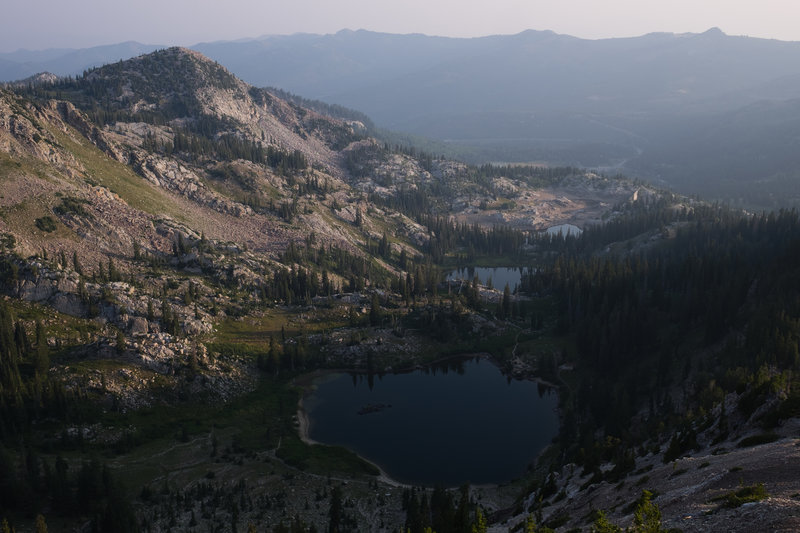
(39, 24)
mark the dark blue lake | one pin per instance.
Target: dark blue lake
(467, 423)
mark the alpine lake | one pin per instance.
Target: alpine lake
(460, 421)
(496, 277)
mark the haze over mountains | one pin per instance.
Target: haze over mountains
(705, 113)
(65, 61)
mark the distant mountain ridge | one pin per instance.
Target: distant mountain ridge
(66, 62)
(533, 71)
(344, 67)
(636, 105)
(530, 71)
(633, 105)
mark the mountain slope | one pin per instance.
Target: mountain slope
(616, 104)
(171, 144)
(613, 104)
(176, 247)
(167, 180)
(178, 84)
(749, 155)
(185, 124)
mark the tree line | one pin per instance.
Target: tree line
(640, 319)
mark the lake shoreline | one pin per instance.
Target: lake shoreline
(305, 425)
(307, 383)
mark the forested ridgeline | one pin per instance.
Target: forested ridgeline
(675, 326)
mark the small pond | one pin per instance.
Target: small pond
(564, 229)
(464, 422)
(498, 276)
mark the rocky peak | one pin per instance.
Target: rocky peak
(41, 78)
(167, 80)
(177, 88)
(182, 64)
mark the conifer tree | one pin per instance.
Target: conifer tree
(480, 525)
(601, 524)
(41, 357)
(647, 517)
(41, 524)
(505, 309)
(121, 344)
(375, 313)
(335, 512)
(76, 265)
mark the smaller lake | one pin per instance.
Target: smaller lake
(462, 423)
(499, 276)
(564, 229)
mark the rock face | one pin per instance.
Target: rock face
(22, 133)
(59, 290)
(138, 326)
(120, 306)
(173, 176)
(117, 302)
(686, 490)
